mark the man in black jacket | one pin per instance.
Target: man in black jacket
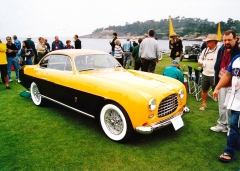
(77, 42)
(224, 57)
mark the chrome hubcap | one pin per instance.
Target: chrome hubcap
(113, 122)
(36, 93)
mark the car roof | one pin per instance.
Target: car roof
(76, 52)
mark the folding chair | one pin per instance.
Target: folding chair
(190, 81)
(198, 84)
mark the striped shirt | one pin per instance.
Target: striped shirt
(118, 52)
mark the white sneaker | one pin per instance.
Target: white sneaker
(219, 129)
(18, 81)
(10, 80)
(228, 132)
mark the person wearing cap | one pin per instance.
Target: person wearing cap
(32, 44)
(174, 72)
(134, 42)
(207, 60)
(127, 46)
(149, 52)
(175, 44)
(224, 56)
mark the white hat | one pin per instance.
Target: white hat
(211, 37)
(28, 37)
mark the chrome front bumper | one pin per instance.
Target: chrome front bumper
(160, 124)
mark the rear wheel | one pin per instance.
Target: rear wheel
(115, 123)
(35, 94)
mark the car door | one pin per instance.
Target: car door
(57, 76)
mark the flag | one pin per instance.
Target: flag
(219, 33)
(171, 29)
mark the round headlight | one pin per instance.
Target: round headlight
(181, 93)
(152, 104)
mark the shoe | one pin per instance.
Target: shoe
(228, 132)
(18, 81)
(219, 129)
(203, 107)
(226, 158)
(8, 87)
(10, 80)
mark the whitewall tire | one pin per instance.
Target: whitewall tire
(115, 123)
(35, 95)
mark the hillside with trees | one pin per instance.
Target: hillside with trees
(184, 27)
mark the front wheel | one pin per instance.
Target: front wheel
(115, 123)
(35, 94)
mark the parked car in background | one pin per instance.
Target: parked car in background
(191, 52)
(94, 84)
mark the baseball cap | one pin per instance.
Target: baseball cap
(175, 62)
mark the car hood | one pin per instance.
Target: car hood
(135, 78)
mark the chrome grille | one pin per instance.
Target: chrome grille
(168, 105)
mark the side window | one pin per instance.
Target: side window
(60, 62)
(45, 61)
(68, 66)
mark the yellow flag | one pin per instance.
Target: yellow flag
(171, 29)
(219, 33)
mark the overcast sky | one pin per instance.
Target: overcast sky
(68, 17)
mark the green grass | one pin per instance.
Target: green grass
(56, 138)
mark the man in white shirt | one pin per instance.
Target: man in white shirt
(149, 52)
(207, 60)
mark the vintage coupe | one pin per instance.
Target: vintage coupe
(93, 83)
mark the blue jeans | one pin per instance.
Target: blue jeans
(15, 62)
(127, 59)
(112, 53)
(27, 61)
(233, 141)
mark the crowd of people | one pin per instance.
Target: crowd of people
(143, 55)
(14, 53)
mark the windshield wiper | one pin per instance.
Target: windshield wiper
(87, 69)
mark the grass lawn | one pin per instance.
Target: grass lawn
(56, 138)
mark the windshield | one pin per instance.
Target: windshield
(95, 61)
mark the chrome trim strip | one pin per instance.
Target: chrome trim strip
(68, 106)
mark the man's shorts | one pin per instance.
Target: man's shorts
(3, 69)
(207, 81)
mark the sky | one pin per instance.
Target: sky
(48, 18)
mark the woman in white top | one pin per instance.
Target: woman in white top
(41, 48)
(118, 51)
